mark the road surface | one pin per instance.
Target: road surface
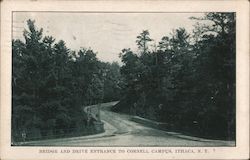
(121, 131)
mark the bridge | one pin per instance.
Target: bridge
(122, 130)
(93, 113)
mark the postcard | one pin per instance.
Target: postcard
(124, 79)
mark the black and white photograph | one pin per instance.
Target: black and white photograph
(123, 79)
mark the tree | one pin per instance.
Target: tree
(113, 82)
(188, 81)
(49, 86)
(216, 71)
(142, 41)
(164, 44)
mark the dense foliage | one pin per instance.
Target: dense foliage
(51, 84)
(188, 81)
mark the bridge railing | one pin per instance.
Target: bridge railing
(93, 112)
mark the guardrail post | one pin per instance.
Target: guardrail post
(98, 113)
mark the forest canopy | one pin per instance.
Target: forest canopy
(51, 84)
(186, 80)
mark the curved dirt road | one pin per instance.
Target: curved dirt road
(121, 131)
